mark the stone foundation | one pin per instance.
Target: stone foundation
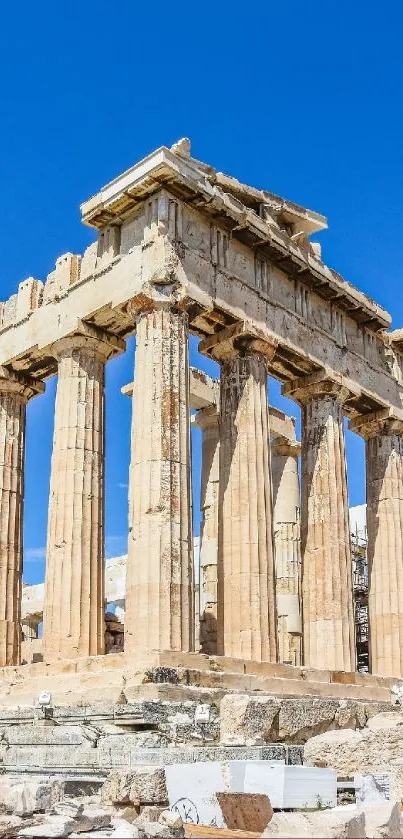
(108, 712)
(120, 678)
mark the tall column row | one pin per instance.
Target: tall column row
(250, 546)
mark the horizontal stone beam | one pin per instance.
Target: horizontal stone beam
(222, 262)
(115, 589)
(204, 391)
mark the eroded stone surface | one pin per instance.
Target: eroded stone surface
(247, 624)
(74, 586)
(329, 638)
(159, 607)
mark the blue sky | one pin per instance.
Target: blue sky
(303, 99)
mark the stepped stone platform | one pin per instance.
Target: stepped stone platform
(121, 678)
(114, 711)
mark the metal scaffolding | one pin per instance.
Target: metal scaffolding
(360, 586)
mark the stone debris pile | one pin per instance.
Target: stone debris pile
(40, 809)
(348, 822)
(136, 803)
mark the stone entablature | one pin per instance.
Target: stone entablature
(183, 249)
(163, 238)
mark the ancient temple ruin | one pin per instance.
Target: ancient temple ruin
(184, 249)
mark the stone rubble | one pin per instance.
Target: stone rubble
(328, 824)
(376, 748)
(376, 821)
(254, 720)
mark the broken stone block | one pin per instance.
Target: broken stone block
(154, 829)
(148, 786)
(124, 830)
(149, 813)
(116, 789)
(245, 811)
(170, 819)
(53, 827)
(92, 818)
(131, 813)
(10, 825)
(383, 820)
(138, 785)
(248, 721)
(24, 799)
(372, 749)
(336, 823)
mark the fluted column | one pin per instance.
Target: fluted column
(328, 613)
(14, 394)
(384, 467)
(287, 539)
(246, 577)
(73, 620)
(159, 588)
(207, 420)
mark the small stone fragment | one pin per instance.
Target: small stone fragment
(124, 830)
(54, 827)
(171, 819)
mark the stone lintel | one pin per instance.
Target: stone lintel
(24, 386)
(104, 343)
(285, 447)
(238, 339)
(386, 421)
(204, 390)
(322, 383)
(281, 425)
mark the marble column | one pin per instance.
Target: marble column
(14, 393)
(384, 467)
(247, 623)
(287, 539)
(73, 619)
(30, 629)
(159, 588)
(207, 420)
(327, 591)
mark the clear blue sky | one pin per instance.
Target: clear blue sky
(304, 99)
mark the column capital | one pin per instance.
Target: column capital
(322, 383)
(385, 421)
(23, 386)
(89, 337)
(286, 448)
(206, 418)
(164, 293)
(239, 339)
